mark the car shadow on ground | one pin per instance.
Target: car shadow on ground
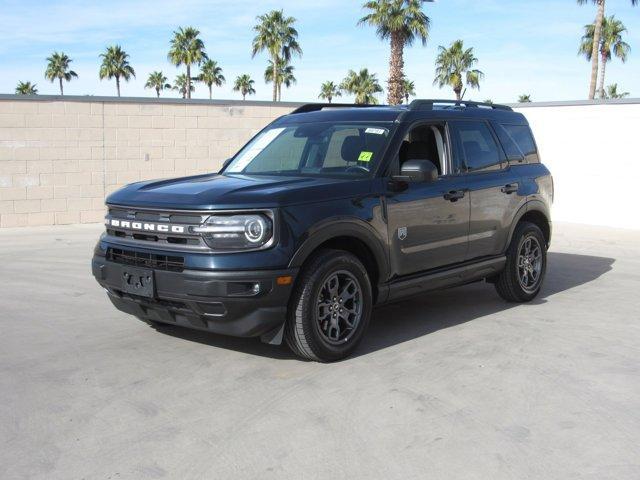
(421, 315)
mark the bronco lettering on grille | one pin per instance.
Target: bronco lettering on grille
(149, 227)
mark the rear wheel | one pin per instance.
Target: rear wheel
(330, 307)
(526, 265)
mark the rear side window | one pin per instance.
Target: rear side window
(518, 137)
(477, 149)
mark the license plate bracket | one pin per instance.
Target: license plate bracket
(138, 281)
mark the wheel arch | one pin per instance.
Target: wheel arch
(537, 213)
(357, 238)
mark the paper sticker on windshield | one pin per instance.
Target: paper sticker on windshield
(365, 156)
(376, 131)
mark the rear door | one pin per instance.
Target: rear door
(493, 186)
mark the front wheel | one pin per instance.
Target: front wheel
(526, 265)
(330, 308)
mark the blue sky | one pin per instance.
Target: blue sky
(522, 46)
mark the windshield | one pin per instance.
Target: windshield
(343, 149)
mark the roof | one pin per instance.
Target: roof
(349, 114)
(417, 110)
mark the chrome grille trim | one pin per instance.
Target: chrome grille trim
(155, 228)
(191, 220)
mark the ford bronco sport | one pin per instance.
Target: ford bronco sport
(327, 212)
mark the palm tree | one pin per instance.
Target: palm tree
(158, 82)
(115, 64)
(284, 73)
(454, 63)
(276, 34)
(187, 49)
(26, 88)
(244, 85)
(612, 92)
(524, 98)
(329, 90)
(399, 21)
(58, 68)
(183, 85)
(597, 33)
(210, 75)
(363, 85)
(610, 43)
(408, 89)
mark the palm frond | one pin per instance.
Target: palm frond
(26, 88)
(455, 63)
(115, 63)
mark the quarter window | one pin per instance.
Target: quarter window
(477, 147)
(523, 139)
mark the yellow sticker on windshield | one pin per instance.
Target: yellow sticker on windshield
(365, 156)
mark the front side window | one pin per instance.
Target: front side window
(314, 149)
(477, 149)
(426, 142)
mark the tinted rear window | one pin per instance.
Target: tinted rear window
(476, 144)
(518, 142)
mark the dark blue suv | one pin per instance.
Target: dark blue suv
(327, 212)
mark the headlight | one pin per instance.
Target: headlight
(236, 232)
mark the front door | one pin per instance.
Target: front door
(428, 225)
(428, 222)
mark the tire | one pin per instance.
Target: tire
(318, 327)
(510, 284)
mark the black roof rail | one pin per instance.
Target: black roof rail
(314, 107)
(428, 104)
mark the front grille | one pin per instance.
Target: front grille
(131, 213)
(167, 240)
(147, 260)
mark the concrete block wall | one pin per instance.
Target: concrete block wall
(60, 156)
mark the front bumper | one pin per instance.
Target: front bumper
(217, 301)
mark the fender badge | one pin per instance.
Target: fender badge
(402, 233)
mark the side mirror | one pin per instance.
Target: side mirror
(419, 171)
(225, 164)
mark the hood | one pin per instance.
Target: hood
(231, 191)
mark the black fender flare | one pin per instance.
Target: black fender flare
(344, 227)
(529, 206)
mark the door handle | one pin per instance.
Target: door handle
(509, 188)
(454, 195)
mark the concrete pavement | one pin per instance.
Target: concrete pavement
(453, 385)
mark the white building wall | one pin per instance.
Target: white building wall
(593, 154)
